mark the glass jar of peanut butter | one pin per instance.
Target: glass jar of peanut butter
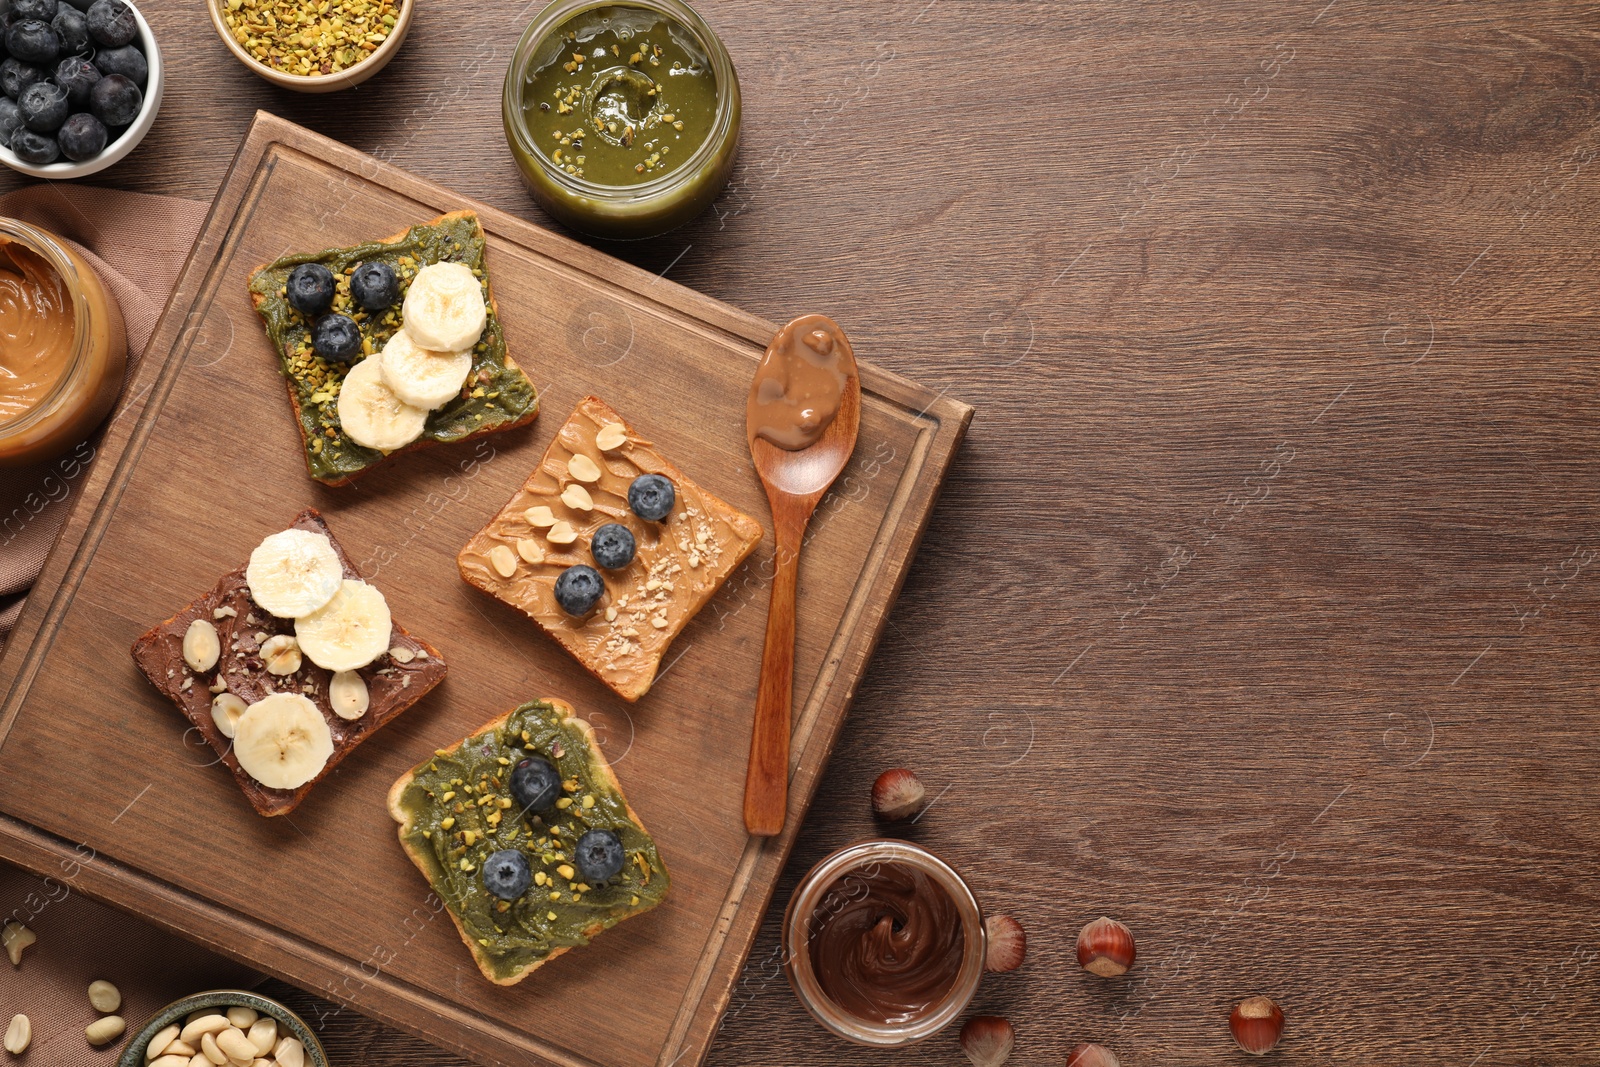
(62, 346)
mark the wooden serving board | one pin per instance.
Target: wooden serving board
(205, 462)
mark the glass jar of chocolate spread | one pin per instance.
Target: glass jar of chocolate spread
(62, 346)
(883, 943)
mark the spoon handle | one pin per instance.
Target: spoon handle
(766, 786)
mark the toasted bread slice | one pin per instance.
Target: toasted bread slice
(395, 680)
(679, 564)
(510, 944)
(338, 461)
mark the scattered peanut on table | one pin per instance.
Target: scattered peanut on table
(104, 1031)
(16, 937)
(18, 1034)
(104, 996)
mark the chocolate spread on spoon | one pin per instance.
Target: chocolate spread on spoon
(886, 943)
(800, 383)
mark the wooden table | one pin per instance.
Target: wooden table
(1258, 611)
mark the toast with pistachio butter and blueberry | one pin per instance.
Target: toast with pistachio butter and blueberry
(525, 835)
(391, 346)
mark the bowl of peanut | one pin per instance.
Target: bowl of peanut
(224, 1026)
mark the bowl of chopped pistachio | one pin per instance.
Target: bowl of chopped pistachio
(312, 46)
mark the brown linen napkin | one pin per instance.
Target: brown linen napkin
(81, 941)
(137, 243)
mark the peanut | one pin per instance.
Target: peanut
(104, 996)
(104, 1031)
(18, 1034)
(159, 1043)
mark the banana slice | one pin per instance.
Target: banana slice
(372, 414)
(293, 573)
(421, 377)
(349, 632)
(282, 741)
(444, 309)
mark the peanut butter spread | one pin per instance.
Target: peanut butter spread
(36, 329)
(579, 486)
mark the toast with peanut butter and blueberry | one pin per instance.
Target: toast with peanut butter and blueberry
(522, 830)
(391, 346)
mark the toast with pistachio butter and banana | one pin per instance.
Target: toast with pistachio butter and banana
(525, 835)
(391, 346)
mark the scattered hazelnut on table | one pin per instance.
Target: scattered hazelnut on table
(1008, 945)
(1092, 1056)
(987, 1040)
(1105, 947)
(898, 794)
(1257, 1025)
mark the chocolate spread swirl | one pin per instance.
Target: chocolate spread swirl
(886, 943)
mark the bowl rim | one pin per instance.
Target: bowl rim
(348, 78)
(114, 153)
(133, 1051)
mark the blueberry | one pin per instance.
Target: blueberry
(41, 10)
(310, 288)
(77, 76)
(81, 5)
(599, 856)
(33, 147)
(73, 29)
(612, 546)
(115, 100)
(336, 338)
(375, 286)
(111, 23)
(82, 137)
(10, 119)
(535, 785)
(32, 41)
(127, 61)
(44, 107)
(15, 76)
(651, 497)
(506, 874)
(578, 589)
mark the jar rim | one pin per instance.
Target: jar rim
(797, 959)
(722, 124)
(60, 260)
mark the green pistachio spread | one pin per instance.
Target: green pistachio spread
(494, 393)
(459, 810)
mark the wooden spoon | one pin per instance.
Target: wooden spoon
(795, 482)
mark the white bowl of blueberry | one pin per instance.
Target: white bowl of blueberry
(81, 82)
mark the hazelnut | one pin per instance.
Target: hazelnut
(281, 654)
(1007, 943)
(1105, 947)
(1257, 1025)
(898, 794)
(1092, 1056)
(987, 1040)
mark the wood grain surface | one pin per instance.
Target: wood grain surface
(1258, 612)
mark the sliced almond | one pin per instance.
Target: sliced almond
(401, 654)
(347, 692)
(562, 533)
(611, 436)
(226, 709)
(540, 516)
(530, 551)
(503, 560)
(577, 498)
(583, 468)
(201, 646)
